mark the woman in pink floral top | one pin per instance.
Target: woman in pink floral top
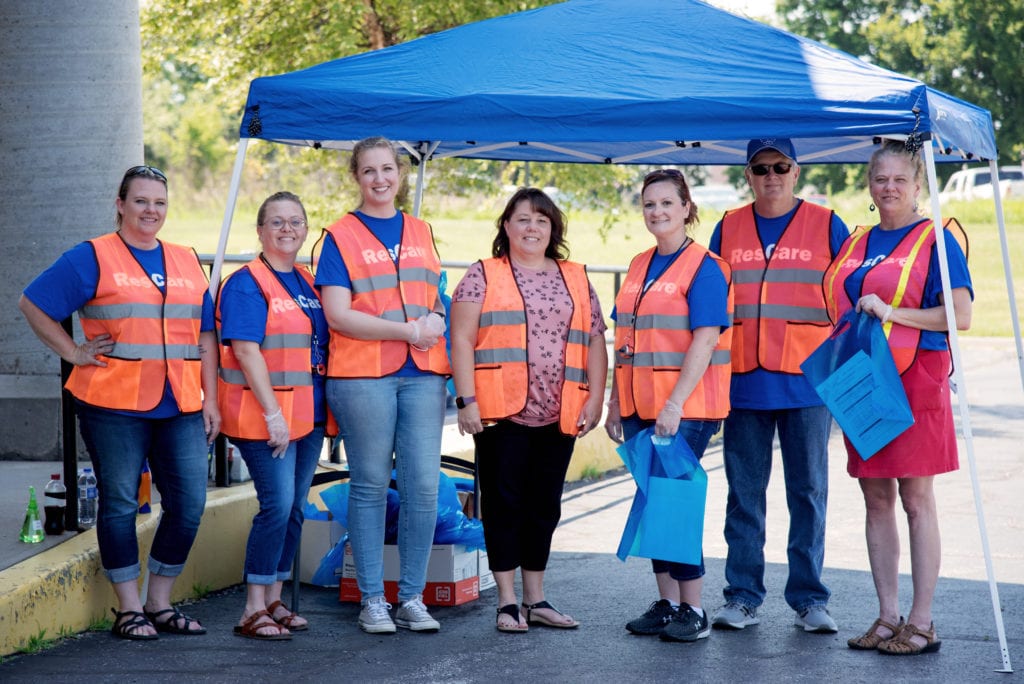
(527, 342)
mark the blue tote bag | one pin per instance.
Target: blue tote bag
(854, 374)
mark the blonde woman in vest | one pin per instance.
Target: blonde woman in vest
(672, 369)
(527, 342)
(891, 271)
(271, 393)
(145, 387)
(378, 272)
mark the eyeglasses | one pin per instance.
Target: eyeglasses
(662, 174)
(145, 171)
(780, 168)
(279, 223)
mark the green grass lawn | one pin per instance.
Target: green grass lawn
(464, 231)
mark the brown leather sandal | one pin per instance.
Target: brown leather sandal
(901, 644)
(261, 619)
(869, 640)
(287, 620)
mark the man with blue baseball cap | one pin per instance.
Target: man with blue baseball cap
(779, 247)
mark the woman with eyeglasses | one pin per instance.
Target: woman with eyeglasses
(145, 387)
(378, 273)
(271, 391)
(530, 364)
(892, 272)
(672, 340)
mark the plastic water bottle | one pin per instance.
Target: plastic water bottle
(87, 498)
(32, 528)
(54, 503)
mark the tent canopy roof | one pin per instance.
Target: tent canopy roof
(607, 81)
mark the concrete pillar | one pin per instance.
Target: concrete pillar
(70, 124)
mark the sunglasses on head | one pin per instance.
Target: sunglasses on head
(662, 174)
(145, 171)
(780, 168)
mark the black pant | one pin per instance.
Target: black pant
(521, 472)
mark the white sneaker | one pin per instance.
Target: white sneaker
(816, 619)
(413, 615)
(735, 615)
(375, 617)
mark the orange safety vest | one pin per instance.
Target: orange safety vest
(156, 335)
(500, 373)
(285, 348)
(379, 288)
(909, 261)
(653, 334)
(780, 307)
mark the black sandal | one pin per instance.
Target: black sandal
(172, 625)
(126, 629)
(532, 619)
(512, 611)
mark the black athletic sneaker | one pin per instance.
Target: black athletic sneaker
(654, 620)
(686, 626)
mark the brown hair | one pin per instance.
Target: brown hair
(281, 196)
(677, 179)
(148, 172)
(542, 204)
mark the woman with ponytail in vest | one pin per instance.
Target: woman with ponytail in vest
(145, 388)
(891, 271)
(378, 274)
(672, 368)
(530, 364)
(271, 391)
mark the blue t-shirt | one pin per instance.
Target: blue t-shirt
(331, 268)
(71, 281)
(881, 243)
(243, 312)
(760, 388)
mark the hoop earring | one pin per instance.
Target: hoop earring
(871, 207)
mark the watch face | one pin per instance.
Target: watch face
(460, 403)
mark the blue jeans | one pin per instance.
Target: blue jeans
(697, 434)
(177, 452)
(803, 436)
(378, 418)
(281, 487)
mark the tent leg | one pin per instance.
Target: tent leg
(229, 212)
(417, 201)
(1001, 220)
(961, 390)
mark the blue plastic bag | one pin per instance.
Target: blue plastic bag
(666, 520)
(854, 374)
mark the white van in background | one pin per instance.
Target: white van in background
(976, 183)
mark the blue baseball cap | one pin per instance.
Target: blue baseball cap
(782, 145)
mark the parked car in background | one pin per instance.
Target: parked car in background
(720, 196)
(976, 183)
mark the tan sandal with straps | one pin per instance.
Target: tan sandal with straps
(870, 639)
(901, 644)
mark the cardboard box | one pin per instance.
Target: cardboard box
(318, 538)
(454, 575)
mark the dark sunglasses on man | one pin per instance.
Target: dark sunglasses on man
(780, 168)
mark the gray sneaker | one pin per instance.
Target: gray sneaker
(413, 615)
(375, 617)
(816, 619)
(734, 615)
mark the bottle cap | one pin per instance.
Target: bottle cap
(55, 476)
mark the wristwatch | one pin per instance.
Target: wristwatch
(463, 402)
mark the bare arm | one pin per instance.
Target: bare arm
(208, 359)
(464, 327)
(337, 302)
(698, 357)
(53, 335)
(933, 318)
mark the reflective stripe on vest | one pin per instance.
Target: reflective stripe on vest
(653, 335)
(156, 336)
(780, 308)
(286, 350)
(899, 279)
(394, 293)
(501, 374)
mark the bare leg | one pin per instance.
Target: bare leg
(668, 588)
(159, 596)
(690, 591)
(273, 595)
(506, 582)
(533, 592)
(255, 601)
(128, 599)
(883, 546)
(918, 499)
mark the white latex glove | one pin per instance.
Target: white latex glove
(278, 429)
(429, 329)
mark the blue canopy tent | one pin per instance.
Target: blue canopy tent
(665, 82)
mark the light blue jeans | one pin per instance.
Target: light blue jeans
(803, 436)
(379, 418)
(281, 488)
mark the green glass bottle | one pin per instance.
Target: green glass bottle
(32, 528)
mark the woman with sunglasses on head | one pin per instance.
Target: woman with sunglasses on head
(672, 339)
(145, 387)
(530, 365)
(892, 272)
(271, 391)
(378, 273)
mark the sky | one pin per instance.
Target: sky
(750, 8)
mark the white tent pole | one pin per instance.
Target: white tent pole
(1001, 221)
(229, 212)
(417, 201)
(961, 392)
